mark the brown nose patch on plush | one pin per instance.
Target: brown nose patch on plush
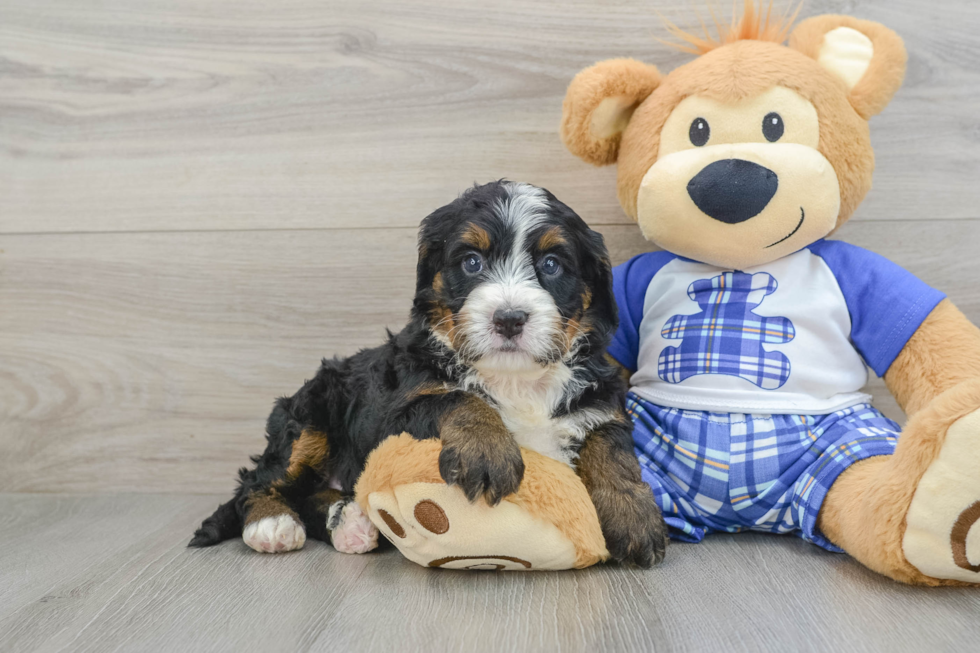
(431, 517)
(961, 529)
(395, 527)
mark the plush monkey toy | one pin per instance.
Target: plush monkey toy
(749, 336)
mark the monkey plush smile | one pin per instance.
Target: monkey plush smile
(792, 233)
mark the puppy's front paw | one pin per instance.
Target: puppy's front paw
(642, 548)
(275, 534)
(635, 531)
(493, 470)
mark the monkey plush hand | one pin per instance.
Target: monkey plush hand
(749, 336)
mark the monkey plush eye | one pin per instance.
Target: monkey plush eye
(472, 263)
(550, 266)
(772, 127)
(700, 132)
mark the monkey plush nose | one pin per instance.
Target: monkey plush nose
(509, 323)
(733, 190)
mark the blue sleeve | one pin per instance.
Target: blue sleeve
(630, 282)
(886, 302)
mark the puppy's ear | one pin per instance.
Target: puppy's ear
(597, 273)
(599, 104)
(433, 233)
(868, 57)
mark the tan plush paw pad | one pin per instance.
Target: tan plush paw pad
(942, 536)
(434, 525)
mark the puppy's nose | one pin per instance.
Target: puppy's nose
(509, 323)
(733, 190)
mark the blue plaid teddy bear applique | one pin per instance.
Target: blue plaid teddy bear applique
(726, 337)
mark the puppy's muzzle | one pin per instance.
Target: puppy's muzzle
(733, 190)
(509, 323)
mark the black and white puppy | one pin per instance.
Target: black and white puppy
(505, 348)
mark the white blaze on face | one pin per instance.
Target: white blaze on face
(512, 284)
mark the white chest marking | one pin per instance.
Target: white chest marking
(527, 402)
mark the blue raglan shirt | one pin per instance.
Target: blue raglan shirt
(789, 336)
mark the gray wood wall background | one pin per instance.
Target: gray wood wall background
(198, 200)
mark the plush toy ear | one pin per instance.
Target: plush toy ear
(868, 57)
(598, 106)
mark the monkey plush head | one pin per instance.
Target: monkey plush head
(751, 151)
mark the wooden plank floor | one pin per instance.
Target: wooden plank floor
(198, 200)
(82, 573)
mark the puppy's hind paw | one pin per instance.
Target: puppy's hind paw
(350, 529)
(275, 534)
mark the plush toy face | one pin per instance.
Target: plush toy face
(750, 167)
(748, 153)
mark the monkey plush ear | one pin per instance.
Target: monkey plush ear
(868, 57)
(598, 106)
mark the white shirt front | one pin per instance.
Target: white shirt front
(816, 370)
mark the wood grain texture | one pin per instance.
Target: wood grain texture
(198, 200)
(143, 356)
(241, 114)
(108, 573)
(148, 362)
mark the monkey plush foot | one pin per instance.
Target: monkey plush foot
(549, 523)
(942, 536)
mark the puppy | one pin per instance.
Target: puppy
(505, 348)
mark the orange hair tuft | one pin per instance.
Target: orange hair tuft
(755, 24)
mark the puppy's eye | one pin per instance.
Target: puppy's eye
(472, 263)
(772, 127)
(550, 266)
(700, 132)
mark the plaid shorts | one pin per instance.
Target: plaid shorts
(732, 472)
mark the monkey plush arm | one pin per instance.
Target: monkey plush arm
(943, 352)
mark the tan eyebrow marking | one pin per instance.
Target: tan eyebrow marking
(551, 238)
(477, 237)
